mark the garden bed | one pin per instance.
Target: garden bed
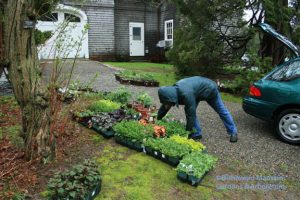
(136, 81)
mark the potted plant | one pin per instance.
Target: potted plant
(145, 99)
(81, 182)
(194, 166)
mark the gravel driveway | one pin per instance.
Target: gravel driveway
(257, 145)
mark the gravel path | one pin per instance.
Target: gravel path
(257, 145)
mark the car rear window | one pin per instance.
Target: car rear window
(288, 72)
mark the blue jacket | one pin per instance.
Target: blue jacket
(188, 92)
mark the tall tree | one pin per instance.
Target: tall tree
(24, 73)
(211, 34)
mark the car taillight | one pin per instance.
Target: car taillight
(254, 91)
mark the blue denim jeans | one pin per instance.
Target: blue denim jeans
(217, 104)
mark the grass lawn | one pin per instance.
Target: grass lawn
(143, 66)
(164, 73)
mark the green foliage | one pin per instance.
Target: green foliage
(248, 75)
(211, 34)
(121, 95)
(132, 75)
(133, 130)
(195, 53)
(86, 113)
(13, 133)
(173, 128)
(45, 6)
(196, 164)
(75, 183)
(168, 147)
(145, 99)
(195, 146)
(104, 106)
(161, 72)
(41, 37)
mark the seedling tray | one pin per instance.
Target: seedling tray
(94, 192)
(136, 82)
(107, 134)
(190, 179)
(173, 161)
(129, 143)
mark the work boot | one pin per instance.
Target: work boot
(233, 138)
(195, 137)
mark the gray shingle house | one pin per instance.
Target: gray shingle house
(119, 29)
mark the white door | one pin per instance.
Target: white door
(136, 39)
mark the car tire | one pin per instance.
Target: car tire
(288, 126)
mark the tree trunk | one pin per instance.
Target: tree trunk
(24, 73)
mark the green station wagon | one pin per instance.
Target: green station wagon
(276, 97)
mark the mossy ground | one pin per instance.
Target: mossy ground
(130, 175)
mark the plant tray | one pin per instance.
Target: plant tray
(94, 192)
(190, 179)
(130, 144)
(107, 134)
(137, 82)
(173, 161)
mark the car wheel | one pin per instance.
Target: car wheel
(288, 126)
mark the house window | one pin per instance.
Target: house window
(169, 30)
(71, 18)
(137, 33)
(52, 17)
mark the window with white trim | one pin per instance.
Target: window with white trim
(169, 30)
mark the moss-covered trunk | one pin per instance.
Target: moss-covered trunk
(24, 74)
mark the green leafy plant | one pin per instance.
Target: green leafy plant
(86, 113)
(76, 183)
(131, 75)
(195, 146)
(145, 99)
(121, 95)
(196, 164)
(104, 106)
(41, 37)
(133, 130)
(153, 143)
(173, 128)
(167, 147)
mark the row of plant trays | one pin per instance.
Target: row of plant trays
(105, 133)
(172, 161)
(147, 83)
(129, 143)
(190, 179)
